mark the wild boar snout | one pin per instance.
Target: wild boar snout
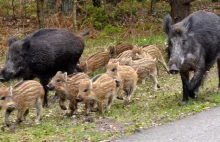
(6, 74)
(50, 87)
(173, 69)
(79, 99)
(174, 66)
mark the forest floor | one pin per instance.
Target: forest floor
(148, 108)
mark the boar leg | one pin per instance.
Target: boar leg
(158, 70)
(185, 84)
(25, 114)
(195, 82)
(61, 101)
(100, 105)
(128, 91)
(21, 114)
(44, 81)
(39, 110)
(156, 85)
(7, 113)
(218, 63)
(72, 106)
(110, 98)
(91, 106)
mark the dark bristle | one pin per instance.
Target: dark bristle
(96, 77)
(71, 75)
(19, 84)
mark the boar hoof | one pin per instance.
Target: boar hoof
(126, 102)
(183, 103)
(19, 121)
(63, 107)
(158, 86)
(120, 97)
(37, 121)
(94, 109)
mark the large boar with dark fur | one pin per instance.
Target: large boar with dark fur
(193, 45)
(41, 55)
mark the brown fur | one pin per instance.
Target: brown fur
(145, 67)
(138, 53)
(21, 96)
(100, 88)
(114, 51)
(155, 53)
(95, 62)
(125, 54)
(127, 75)
(68, 87)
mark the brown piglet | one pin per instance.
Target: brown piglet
(66, 86)
(126, 74)
(95, 62)
(101, 88)
(114, 51)
(20, 97)
(145, 67)
(154, 52)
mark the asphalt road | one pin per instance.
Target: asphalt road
(202, 127)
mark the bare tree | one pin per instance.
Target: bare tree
(74, 16)
(180, 9)
(67, 7)
(40, 13)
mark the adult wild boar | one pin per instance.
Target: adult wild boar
(41, 55)
(193, 45)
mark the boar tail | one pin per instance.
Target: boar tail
(87, 32)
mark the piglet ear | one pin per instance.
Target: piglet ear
(12, 40)
(59, 72)
(90, 84)
(117, 64)
(65, 76)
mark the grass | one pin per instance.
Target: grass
(148, 107)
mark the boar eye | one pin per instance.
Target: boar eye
(3, 98)
(86, 90)
(184, 41)
(59, 80)
(113, 70)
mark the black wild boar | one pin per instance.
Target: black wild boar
(41, 55)
(193, 45)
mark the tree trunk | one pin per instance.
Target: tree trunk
(67, 7)
(40, 15)
(179, 9)
(74, 16)
(51, 4)
(96, 3)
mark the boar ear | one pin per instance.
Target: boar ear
(189, 24)
(26, 46)
(65, 75)
(167, 24)
(12, 40)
